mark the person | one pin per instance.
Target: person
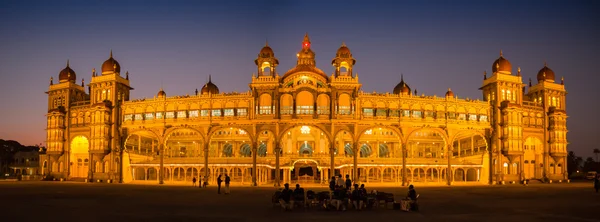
(285, 198)
(597, 183)
(205, 182)
(219, 181)
(340, 181)
(227, 180)
(410, 202)
(331, 187)
(194, 181)
(348, 182)
(340, 198)
(299, 194)
(356, 198)
(199, 182)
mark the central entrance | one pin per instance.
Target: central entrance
(80, 162)
(305, 172)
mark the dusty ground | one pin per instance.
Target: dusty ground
(64, 201)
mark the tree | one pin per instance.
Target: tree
(573, 163)
(589, 165)
(596, 152)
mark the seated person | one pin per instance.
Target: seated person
(340, 198)
(411, 198)
(285, 198)
(356, 197)
(299, 194)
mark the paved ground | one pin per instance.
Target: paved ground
(67, 201)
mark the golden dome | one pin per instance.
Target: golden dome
(210, 87)
(449, 93)
(545, 74)
(343, 50)
(67, 74)
(161, 93)
(501, 65)
(111, 65)
(402, 87)
(266, 51)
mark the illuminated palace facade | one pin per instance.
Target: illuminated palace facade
(299, 126)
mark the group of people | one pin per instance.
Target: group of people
(341, 195)
(219, 182)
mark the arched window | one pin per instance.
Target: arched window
(246, 150)
(262, 150)
(348, 150)
(344, 104)
(383, 150)
(365, 150)
(304, 103)
(228, 150)
(265, 104)
(305, 149)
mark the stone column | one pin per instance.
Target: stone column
(404, 153)
(206, 170)
(277, 168)
(355, 161)
(449, 169)
(332, 160)
(254, 149)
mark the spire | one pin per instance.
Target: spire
(449, 90)
(401, 77)
(500, 52)
(306, 38)
(562, 80)
(518, 71)
(529, 82)
(110, 53)
(343, 44)
(416, 92)
(127, 75)
(266, 42)
(82, 82)
(93, 72)
(51, 80)
(196, 91)
(209, 80)
(545, 64)
(67, 63)
(484, 75)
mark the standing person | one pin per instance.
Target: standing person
(597, 183)
(194, 181)
(348, 182)
(331, 186)
(227, 180)
(199, 182)
(340, 181)
(219, 181)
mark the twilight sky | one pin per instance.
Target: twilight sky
(436, 45)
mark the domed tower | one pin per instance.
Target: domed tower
(449, 94)
(209, 87)
(266, 61)
(343, 61)
(111, 66)
(545, 74)
(67, 75)
(501, 65)
(306, 56)
(402, 87)
(161, 94)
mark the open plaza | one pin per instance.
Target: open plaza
(76, 201)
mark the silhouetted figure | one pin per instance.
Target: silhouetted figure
(285, 198)
(356, 198)
(227, 180)
(348, 182)
(219, 181)
(194, 181)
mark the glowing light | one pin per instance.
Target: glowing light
(305, 130)
(505, 164)
(369, 132)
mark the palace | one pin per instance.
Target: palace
(306, 126)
